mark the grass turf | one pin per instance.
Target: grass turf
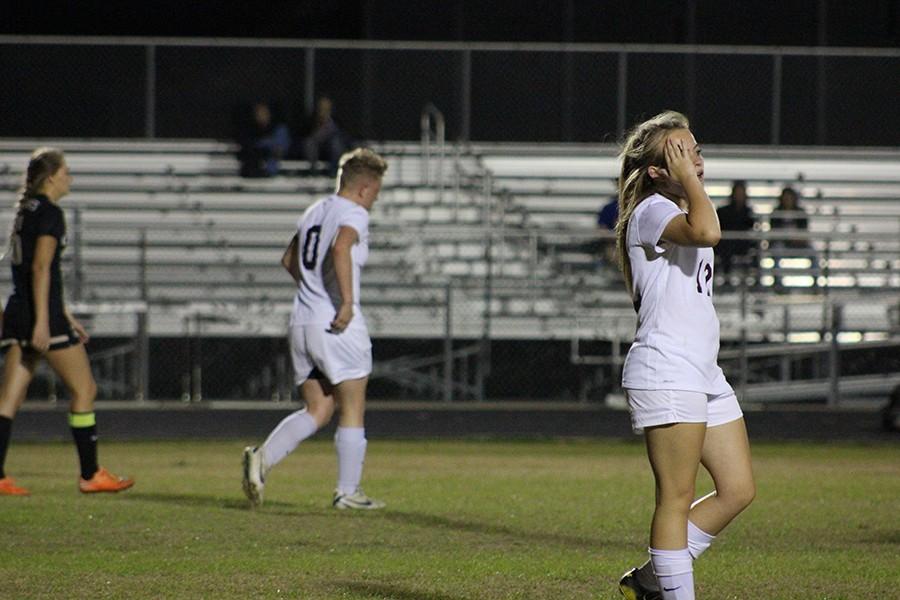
(465, 520)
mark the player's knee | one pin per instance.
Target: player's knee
(321, 412)
(675, 496)
(738, 496)
(85, 394)
(745, 494)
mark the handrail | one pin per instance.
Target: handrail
(431, 113)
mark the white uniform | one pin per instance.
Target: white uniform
(670, 374)
(338, 356)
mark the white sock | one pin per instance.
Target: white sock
(675, 572)
(698, 540)
(350, 444)
(292, 430)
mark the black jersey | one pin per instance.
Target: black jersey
(36, 216)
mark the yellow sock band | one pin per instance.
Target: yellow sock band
(81, 420)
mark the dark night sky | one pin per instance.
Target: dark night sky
(872, 23)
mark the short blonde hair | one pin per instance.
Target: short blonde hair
(360, 162)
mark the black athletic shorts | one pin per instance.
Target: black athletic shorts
(18, 327)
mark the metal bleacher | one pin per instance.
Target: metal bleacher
(499, 243)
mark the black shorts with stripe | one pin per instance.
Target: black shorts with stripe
(18, 327)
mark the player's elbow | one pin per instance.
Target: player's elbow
(706, 237)
(712, 237)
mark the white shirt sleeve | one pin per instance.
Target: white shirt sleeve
(653, 219)
(358, 219)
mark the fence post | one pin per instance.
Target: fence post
(775, 130)
(309, 79)
(834, 356)
(142, 264)
(742, 360)
(448, 342)
(465, 93)
(78, 265)
(196, 359)
(621, 94)
(484, 357)
(141, 364)
(150, 93)
(786, 329)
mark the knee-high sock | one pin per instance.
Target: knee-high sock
(350, 444)
(5, 433)
(675, 572)
(698, 540)
(84, 431)
(292, 430)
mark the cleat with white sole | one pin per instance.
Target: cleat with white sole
(355, 501)
(254, 482)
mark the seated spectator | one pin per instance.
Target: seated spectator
(609, 214)
(324, 140)
(735, 216)
(789, 217)
(263, 143)
(605, 249)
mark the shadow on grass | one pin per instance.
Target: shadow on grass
(195, 500)
(439, 522)
(394, 592)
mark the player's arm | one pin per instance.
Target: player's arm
(700, 227)
(291, 261)
(44, 250)
(343, 270)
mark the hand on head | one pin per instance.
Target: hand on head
(679, 161)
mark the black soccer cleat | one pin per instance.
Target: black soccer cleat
(632, 589)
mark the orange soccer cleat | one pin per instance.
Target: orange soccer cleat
(103, 481)
(8, 487)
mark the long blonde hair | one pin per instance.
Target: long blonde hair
(642, 149)
(43, 164)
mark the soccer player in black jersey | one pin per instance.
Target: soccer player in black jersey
(37, 325)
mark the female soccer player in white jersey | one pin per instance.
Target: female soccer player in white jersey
(330, 346)
(676, 392)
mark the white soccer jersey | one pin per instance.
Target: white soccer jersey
(677, 340)
(318, 297)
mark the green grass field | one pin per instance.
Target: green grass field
(465, 520)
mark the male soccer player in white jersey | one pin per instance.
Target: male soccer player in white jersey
(330, 346)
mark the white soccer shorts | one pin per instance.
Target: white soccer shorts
(650, 408)
(339, 356)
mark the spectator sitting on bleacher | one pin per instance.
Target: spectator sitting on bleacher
(609, 214)
(789, 217)
(263, 143)
(323, 139)
(735, 216)
(605, 249)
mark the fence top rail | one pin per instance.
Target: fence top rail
(449, 46)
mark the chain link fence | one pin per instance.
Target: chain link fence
(488, 92)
